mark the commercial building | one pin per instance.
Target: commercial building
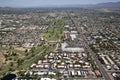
(65, 47)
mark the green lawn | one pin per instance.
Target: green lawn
(53, 33)
(40, 52)
(55, 30)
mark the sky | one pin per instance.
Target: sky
(47, 3)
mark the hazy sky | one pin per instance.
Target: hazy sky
(41, 3)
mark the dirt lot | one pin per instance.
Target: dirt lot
(2, 58)
(20, 48)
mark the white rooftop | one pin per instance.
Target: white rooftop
(47, 79)
(71, 49)
(73, 36)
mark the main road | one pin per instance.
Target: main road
(85, 44)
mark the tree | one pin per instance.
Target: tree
(19, 61)
(32, 49)
(11, 63)
(26, 50)
(11, 69)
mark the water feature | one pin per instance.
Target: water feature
(9, 77)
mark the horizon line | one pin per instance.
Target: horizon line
(58, 6)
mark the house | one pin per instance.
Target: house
(51, 73)
(73, 36)
(97, 72)
(79, 73)
(47, 79)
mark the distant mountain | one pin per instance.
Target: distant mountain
(106, 5)
(99, 5)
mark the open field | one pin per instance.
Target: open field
(55, 31)
(2, 58)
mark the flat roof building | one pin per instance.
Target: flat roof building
(65, 47)
(73, 36)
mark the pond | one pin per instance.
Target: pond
(9, 77)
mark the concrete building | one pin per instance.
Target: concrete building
(73, 36)
(65, 47)
(105, 61)
(111, 62)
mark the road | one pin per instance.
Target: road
(85, 44)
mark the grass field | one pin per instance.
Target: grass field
(39, 52)
(18, 59)
(55, 31)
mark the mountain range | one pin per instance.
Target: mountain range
(106, 5)
(99, 5)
